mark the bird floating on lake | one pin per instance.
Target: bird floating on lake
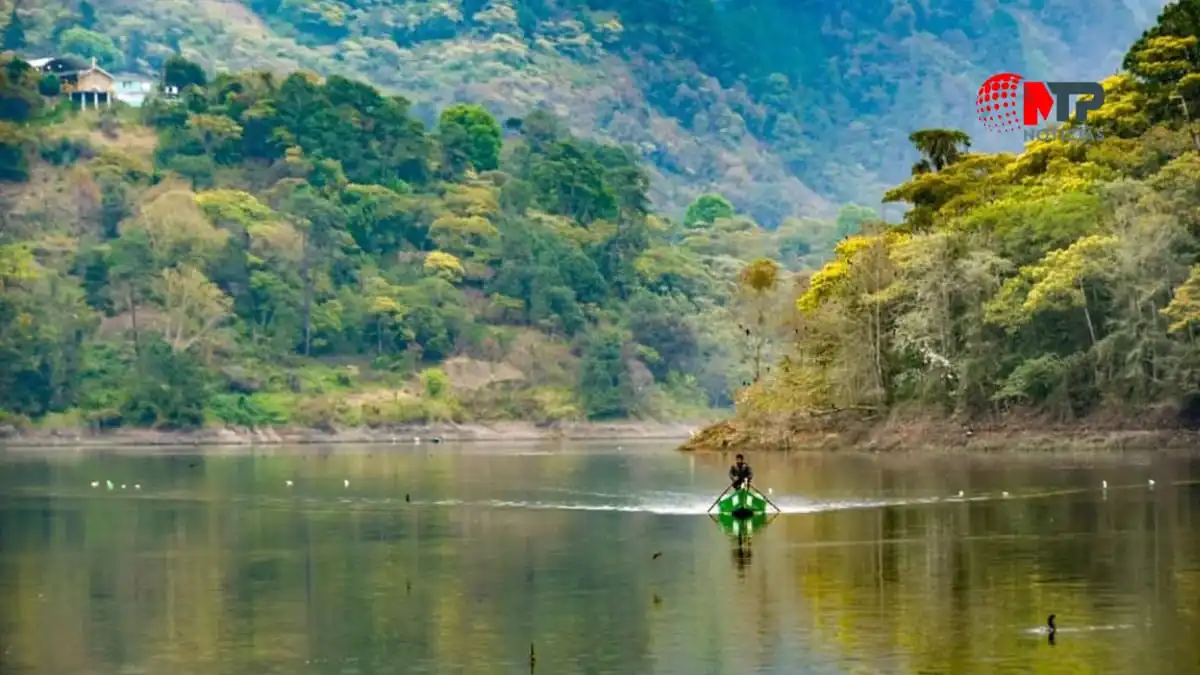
(109, 483)
(95, 483)
(346, 483)
(137, 486)
(287, 483)
(1151, 482)
(960, 493)
(1104, 484)
(1004, 494)
(656, 556)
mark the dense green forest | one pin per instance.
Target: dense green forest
(786, 108)
(282, 248)
(270, 250)
(1062, 281)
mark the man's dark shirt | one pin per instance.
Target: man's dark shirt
(740, 474)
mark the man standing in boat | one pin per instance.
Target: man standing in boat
(740, 473)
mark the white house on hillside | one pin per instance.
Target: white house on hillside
(132, 88)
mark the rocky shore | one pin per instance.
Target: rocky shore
(410, 434)
(1104, 433)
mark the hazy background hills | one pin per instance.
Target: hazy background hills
(787, 108)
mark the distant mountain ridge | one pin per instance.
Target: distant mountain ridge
(786, 108)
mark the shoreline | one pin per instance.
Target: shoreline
(940, 436)
(401, 435)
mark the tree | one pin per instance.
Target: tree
(88, 44)
(177, 230)
(385, 306)
(14, 32)
(706, 210)
(759, 279)
(19, 97)
(444, 265)
(179, 72)
(192, 305)
(131, 269)
(165, 389)
(50, 85)
(43, 324)
(16, 145)
(604, 378)
(470, 139)
(571, 182)
(851, 217)
(940, 148)
(321, 226)
(87, 15)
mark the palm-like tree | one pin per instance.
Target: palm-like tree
(940, 147)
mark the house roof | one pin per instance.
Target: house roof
(69, 59)
(97, 69)
(84, 67)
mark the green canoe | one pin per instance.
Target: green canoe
(742, 527)
(742, 504)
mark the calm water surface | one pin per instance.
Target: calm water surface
(217, 565)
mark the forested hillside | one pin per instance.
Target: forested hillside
(1060, 283)
(270, 250)
(786, 108)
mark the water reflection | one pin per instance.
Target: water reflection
(741, 531)
(269, 563)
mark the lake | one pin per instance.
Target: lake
(454, 559)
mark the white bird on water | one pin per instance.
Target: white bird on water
(137, 486)
(1004, 494)
(1104, 484)
(346, 483)
(287, 483)
(1151, 482)
(960, 493)
(95, 483)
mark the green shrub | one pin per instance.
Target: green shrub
(50, 85)
(435, 382)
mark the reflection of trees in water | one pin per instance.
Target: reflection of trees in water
(190, 572)
(1004, 562)
(193, 572)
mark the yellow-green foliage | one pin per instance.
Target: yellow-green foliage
(831, 279)
(1063, 278)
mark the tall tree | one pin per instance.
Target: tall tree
(940, 148)
(87, 14)
(14, 32)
